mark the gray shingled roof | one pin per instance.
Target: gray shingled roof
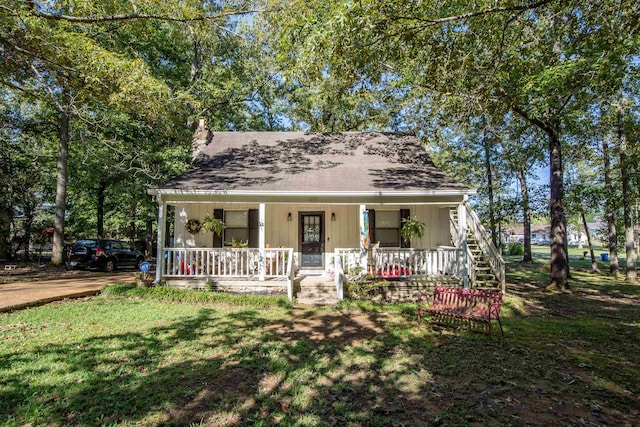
(311, 162)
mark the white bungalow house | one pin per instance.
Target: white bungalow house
(317, 204)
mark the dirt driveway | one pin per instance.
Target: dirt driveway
(20, 294)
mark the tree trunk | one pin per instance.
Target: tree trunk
(594, 264)
(102, 187)
(492, 215)
(61, 189)
(149, 238)
(27, 226)
(559, 258)
(6, 214)
(559, 275)
(133, 234)
(612, 234)
(526, 212)
(625, 176)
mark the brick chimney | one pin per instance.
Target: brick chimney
(201, 138)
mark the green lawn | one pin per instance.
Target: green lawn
(573, 250)
(146, 357)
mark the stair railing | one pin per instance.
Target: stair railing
(471, 259)
(494, 259)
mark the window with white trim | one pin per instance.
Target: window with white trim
(388, 228)
(237, 226)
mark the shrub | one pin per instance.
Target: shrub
(119, 289)
(516, 248)
(363, 290)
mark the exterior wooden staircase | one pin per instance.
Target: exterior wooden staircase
(486, 266)
(482, 273)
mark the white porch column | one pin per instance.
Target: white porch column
(261, 242)
(364, 233)
(338, 275)
(162, 209)
(462, 244)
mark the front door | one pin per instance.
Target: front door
(311, 238)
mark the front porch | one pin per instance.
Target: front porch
(309, 237)
(275, 269)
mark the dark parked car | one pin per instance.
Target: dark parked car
(104, 254)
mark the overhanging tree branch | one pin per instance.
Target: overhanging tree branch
(476, 13)
(139, 16)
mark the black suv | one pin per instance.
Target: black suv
(103, 254)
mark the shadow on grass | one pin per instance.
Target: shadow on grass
(247, 366)
(240, 367)
(594, 294)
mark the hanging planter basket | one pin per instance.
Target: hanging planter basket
(412, 227)
(212, 224)
(193, 226)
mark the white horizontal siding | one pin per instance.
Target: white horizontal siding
(342, 233)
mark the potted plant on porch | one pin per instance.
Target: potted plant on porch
(238, 243)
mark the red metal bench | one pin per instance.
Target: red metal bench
(478, 305)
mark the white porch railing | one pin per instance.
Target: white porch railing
(228, 263)
(396, 263)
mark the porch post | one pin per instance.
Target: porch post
(162, 208)
(462, 244)
(364, 238)
(261, 242)
(338, 275)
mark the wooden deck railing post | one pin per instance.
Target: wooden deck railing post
(162, 207)
(338, 274)
(290, 274)
(261, 242)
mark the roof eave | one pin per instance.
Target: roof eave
(323, 197)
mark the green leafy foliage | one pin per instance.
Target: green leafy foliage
(515, 248)
(212, 224)
(411, 228)
(544, 62)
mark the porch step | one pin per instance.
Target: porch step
(486, 283)
(317, 290)
(316, 301)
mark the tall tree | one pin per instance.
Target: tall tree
(73, 57)
(542, 60)
(626, 169)
(612, 234)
